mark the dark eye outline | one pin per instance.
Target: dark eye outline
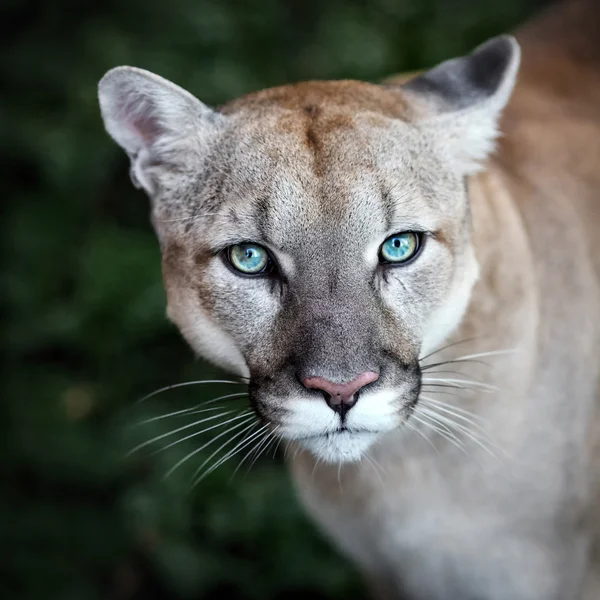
(266, 270)
(420, 243)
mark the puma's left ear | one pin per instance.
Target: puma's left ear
(466, 96)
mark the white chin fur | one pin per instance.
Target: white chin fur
(313, 425)
(340, 447)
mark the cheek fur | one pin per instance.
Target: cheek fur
(246, 308)
(450, 311)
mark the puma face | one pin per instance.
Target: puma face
(316, 237)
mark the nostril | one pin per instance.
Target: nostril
(340, 396)
(328, 398)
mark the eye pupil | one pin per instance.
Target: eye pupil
(249, 259)
(399, 248)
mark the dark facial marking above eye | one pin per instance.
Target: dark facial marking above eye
(388, 207)
(263, 214)
(233, 217)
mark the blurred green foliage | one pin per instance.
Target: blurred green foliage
(85, 333)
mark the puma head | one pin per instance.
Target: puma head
(316, 237)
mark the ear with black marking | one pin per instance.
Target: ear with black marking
(159, 125)
(465, 97)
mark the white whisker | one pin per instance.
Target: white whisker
(197, 433)
(186, 383)
(445, 433)
(454, 386)
(465, 382)
(206, 445)
(447, 346)
(458, 412)
(184, 412)
(256, 450)
(190, 218)
(277, 446)
(272, 437)
(223, 445)
(164, 435)
(470, 434)
(448, 372)
(317, 462)
(421, 434)
(484, 354)
(376, 467)
(241, 445)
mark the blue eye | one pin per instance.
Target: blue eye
(399, 248)
(250, 259)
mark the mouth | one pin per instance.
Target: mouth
(339, 445)
(332, 433)
(312, 425)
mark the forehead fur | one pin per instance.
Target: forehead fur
(291, 158)
(347, 96)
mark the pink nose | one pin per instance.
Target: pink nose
(341, 396)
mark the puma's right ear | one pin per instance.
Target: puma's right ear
(466, 96)
(158, 124)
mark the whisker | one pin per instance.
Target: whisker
(466, 340)
(206, 445)
(471, 435)
(256, 450)
(420, 433)
(490, 353)
(317, 462)
(241, 445)
(183, 384)
(449, 372)
(442, 422)
(184, 412)
(449, 409)
(445, 433)
(376, 467)
(226, 397)
(465, 382)
(187, 437)
(272, 437)
(190, 218)
(223, 445)
(286, 449)
(460, 396)
(450, 386)
(272, 444)
(454, 409)
(277, 446)
(164, 435)
(472, 358)
(454, 361)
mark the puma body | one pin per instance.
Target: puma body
(468, 466)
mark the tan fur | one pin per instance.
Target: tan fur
(320, 173)
(541, 189)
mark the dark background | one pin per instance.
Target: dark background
(84, 328)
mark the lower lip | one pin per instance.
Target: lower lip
(327, 434)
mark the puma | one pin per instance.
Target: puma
(413, 297)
